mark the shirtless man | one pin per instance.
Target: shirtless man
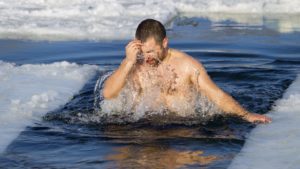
(152, 43)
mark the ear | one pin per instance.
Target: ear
(165, 42)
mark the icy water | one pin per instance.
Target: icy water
(47, 116)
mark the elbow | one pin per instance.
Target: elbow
(107, 94)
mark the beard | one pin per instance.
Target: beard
(152, 61)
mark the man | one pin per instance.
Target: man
(176, 73)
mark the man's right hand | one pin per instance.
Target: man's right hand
(117, 80)
(132, 50)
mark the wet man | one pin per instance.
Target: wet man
(176, 73)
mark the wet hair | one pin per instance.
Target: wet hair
(150, 28)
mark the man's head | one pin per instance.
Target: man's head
(150, 28)
(152, 34)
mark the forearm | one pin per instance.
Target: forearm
(224, 101)
(230, 106)
(233, 107)
(117, 80)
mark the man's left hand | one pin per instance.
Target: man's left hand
(257, 118)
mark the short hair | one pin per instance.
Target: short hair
(150, 28)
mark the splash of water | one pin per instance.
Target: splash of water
(131, 106)
(98, 89)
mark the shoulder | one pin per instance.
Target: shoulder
(186, 61)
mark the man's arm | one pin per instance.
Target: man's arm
(224, 101)
(117, 80)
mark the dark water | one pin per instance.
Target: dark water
(255, 65)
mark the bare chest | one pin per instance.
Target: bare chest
(165, 79)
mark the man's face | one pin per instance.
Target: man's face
(153, 53)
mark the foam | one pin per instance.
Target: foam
(76, 20)
(276, 145)
(239, 6)
(115, 19)
(283, 23)
(130, 106)
(29, 91)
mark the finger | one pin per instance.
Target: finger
(134, 45)
(137, 41)
(131, 43)
(266, 120)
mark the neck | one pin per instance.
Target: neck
(167, 54)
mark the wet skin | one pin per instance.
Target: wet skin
(176, 72)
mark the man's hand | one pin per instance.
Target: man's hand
(132, 50)
(257, 118)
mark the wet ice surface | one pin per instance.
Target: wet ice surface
(275, 145)
(30, 91)
(117, 19)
